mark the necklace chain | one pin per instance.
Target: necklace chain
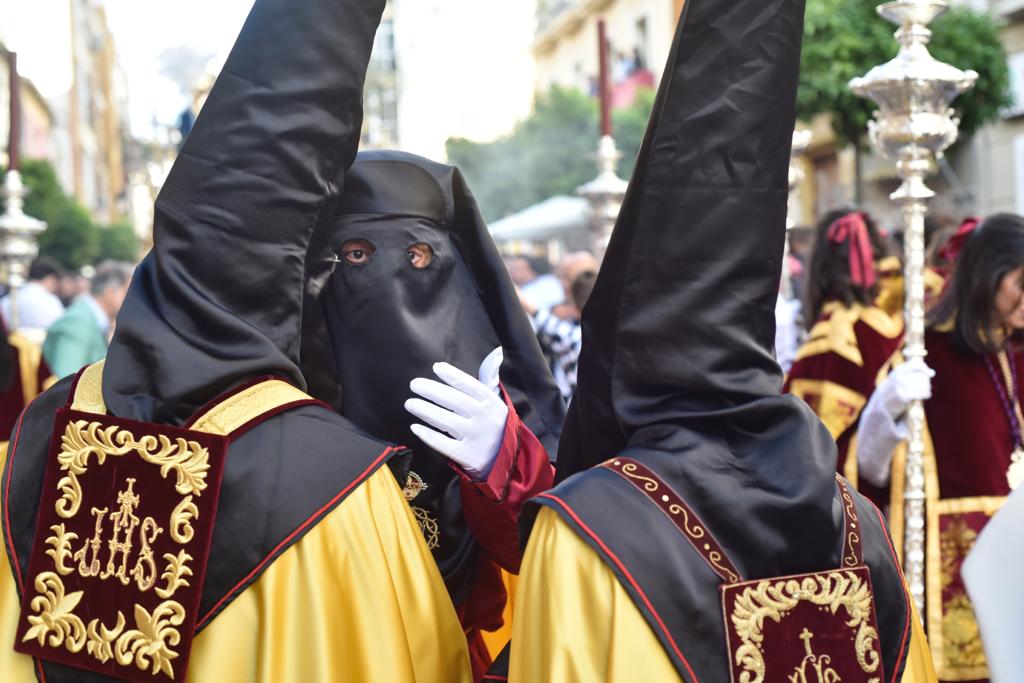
(1009, 397)
(1010, 380)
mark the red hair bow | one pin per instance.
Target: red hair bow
(853, 228)
(950, 251)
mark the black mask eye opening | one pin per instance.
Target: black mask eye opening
(419, 255)
(355, 252)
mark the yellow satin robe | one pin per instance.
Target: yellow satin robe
(575, 621)
(358, 598)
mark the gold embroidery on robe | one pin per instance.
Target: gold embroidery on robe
(414, 486)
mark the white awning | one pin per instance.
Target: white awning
(551, 218)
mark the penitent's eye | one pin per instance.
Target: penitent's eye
(419, 255)
(357, 252)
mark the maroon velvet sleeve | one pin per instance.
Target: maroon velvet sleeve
(492, 505)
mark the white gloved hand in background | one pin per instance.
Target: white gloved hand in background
(882, 423)
(467, 414)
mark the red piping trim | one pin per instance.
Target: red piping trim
(74, 387)
(910, 615)
(273, 553)
(11, 447)
(492, 677)
(629, 577)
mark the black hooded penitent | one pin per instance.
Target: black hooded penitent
(677, 370)
(372, 328)
(218, 301)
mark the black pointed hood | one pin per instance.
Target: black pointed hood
(219, 297)
(677, 373)
(681, 323)
(677, 362)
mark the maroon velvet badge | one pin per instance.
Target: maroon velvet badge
(811, 628)
(124, 529)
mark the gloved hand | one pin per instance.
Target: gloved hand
(911, 381)
(882, 423)
(468, 414)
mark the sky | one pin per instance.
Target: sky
(198, 34)
(143, 30)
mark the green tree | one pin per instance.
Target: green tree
(118, 242)
(549, 153)
(846, 38)
(70, 236)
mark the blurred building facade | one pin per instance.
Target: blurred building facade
(463, 69)
(36, 117)
(991, 164)
(93, 163)
(639, 34)
(81, 127)
(380, 94)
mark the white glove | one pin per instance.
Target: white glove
(471, 412)
(882, 423)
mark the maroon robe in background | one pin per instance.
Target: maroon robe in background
(970, 431)
(967, 455)
(30, 376)
(836, 371)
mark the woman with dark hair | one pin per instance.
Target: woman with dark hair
(852, 336)
(974, 445)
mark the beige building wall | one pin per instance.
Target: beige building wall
(991, 164)
(566, 51)
(36, 117)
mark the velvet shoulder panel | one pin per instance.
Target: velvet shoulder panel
(675, 589)
(281, 477)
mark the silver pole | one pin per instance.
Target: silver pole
(914, 124)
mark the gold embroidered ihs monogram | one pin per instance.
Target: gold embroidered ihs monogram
(414, 486)
(121, 543)
(823, 673)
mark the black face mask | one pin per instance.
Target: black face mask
(390, 320)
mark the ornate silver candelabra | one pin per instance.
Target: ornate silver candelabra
(914, 124)
(18, 246)
(605, 194)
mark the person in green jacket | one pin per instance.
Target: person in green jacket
(80, 336)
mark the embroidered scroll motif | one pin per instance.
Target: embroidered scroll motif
(831, 602)
(851, 532)
(187, 459)
(125, 524)
(149, 644)
(961, 650)
(676, 509)
(414, 486)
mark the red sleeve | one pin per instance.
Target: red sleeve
(492, 505)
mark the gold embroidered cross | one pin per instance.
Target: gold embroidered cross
(806, 637)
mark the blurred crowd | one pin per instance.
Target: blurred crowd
(68, 315)
(554, 300)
